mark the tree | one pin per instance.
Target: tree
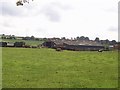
(87, 38)
(3, 36)
(63, 38)
(21, 2)
(27, 38)
(82, 38)
(13, 37)
(113, 42)
(32, 38)
(97, 39)
(107, 41)
(77, 37)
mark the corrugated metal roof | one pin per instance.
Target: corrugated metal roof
(10, 44)
(73, 42)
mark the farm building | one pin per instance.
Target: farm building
(74, 45)
(83, 46)
(10, 44)
(117, 46)
(19, 44)
(3, 44)
(53, 44)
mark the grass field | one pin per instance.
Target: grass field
(28, 42)
(47, 68)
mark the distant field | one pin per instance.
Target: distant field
(28, 42)
(47, 68)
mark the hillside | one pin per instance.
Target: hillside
(28, 42)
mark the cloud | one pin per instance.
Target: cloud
(113, 29)
(112, 10)
(6, 24)
(61, 6)
(52, 14)
(53, 10)
(58, 18)
(9, 9)
(40, 30)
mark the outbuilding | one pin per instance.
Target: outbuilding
(83, 47)
(19, 44)
(3, 44)
(10, 44)
(74, 45)
(53, 44)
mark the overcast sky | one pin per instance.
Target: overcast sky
(60, 18)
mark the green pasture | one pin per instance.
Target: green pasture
(47, 68)
(28, 42)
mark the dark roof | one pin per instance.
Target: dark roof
(88, 43)
(60, 42)
(76, 42)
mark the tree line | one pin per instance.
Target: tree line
(107, 42)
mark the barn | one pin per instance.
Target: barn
(74, 45)
(3, 44)
(117, 46)
(10, 44)
(53, 44)
(19, 44)
(83, 46)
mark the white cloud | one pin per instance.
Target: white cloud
(52, 14)
(59, 18)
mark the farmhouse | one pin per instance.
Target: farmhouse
(74, 45)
